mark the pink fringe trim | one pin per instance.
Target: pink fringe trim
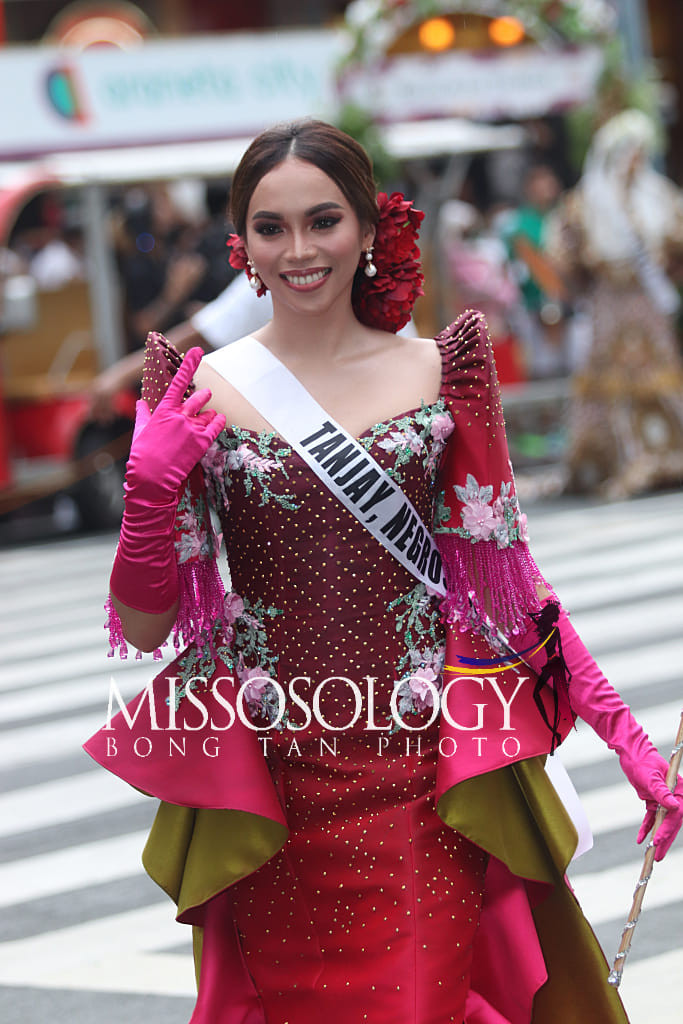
(200, 596)
(117, 641)
(486, 580)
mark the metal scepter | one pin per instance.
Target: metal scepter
(648, 864)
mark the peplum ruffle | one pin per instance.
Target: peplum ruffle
(216, 790)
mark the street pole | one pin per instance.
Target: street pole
(634, 29)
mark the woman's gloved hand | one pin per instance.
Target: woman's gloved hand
(167, 445)
(593, 698)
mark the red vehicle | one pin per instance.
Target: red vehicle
(53, 343)
(48, 358)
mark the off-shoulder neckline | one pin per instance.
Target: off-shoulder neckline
(442, 345)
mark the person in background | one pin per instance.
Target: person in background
(159, 273)
(237, 311)
(617, 234)
(473, 259)
(538, 321)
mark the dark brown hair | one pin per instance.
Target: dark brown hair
(321, 144)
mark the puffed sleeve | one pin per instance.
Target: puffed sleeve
(479, 527)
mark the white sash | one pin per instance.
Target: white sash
(341, 462)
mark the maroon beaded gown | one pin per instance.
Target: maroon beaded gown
(321, 882)
(368, 912)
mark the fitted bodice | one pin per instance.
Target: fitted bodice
(328, 598)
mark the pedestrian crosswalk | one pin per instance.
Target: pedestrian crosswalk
(84, 930)
(619, 570)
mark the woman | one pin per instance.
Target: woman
(620, 233)
(320, 879)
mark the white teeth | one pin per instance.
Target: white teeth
(306, 278)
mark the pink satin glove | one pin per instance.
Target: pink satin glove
(597, 702)
(167, 445)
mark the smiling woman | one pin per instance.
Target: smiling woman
(413, 872)
(311, 243)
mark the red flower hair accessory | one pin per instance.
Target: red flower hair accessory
(239, 260)
(386, 300)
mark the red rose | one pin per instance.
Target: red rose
(386, 300)
(239, 260)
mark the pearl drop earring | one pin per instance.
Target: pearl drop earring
(254, 280)
(370, 268)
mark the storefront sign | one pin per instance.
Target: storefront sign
(526, 82)
(164, 91)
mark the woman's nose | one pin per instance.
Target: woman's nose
(301, 246)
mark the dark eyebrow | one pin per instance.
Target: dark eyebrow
(323, 206)
(268, 215)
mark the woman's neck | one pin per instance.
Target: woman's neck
(330, 338)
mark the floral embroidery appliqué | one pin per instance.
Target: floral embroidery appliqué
(420, 669)
(195, 536)
(487, 518)
(257, 458)
(423, 434)
(240, 640)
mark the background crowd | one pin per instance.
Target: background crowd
(579, 278)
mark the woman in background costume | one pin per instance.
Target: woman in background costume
(620, 233)
(362, 857)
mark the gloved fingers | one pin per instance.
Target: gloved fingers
(142, 418)
(660, 792)
(196, 402)
(667, 832)
(178, 386)
(648, 821)
(214, 427)
(670, 826)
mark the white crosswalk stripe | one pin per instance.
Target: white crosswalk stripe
(71, 834)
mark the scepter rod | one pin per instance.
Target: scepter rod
(648, 864)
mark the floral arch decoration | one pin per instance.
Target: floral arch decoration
(374, 25)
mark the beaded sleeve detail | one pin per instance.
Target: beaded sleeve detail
(479, 527)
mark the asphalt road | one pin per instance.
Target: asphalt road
(85, 936)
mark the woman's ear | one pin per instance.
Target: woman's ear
(368, 237)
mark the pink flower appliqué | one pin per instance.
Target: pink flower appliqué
(478, 519)
(233, 606)
(191, 546)
(442, 426)
(522, 527)
(187, 520)
(214, 459)
(422, 684)
(402, 439)
(243, 456)
(255, 682)
(258, 462)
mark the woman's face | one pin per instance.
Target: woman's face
(304, 237)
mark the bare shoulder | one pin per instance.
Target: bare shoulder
(422, 352)
(226, 399)
(204, 375)
(411, 366)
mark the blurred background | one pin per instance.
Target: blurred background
(122, 123)
(544, 141)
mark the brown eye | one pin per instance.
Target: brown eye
(267, 229)
(321, 223)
